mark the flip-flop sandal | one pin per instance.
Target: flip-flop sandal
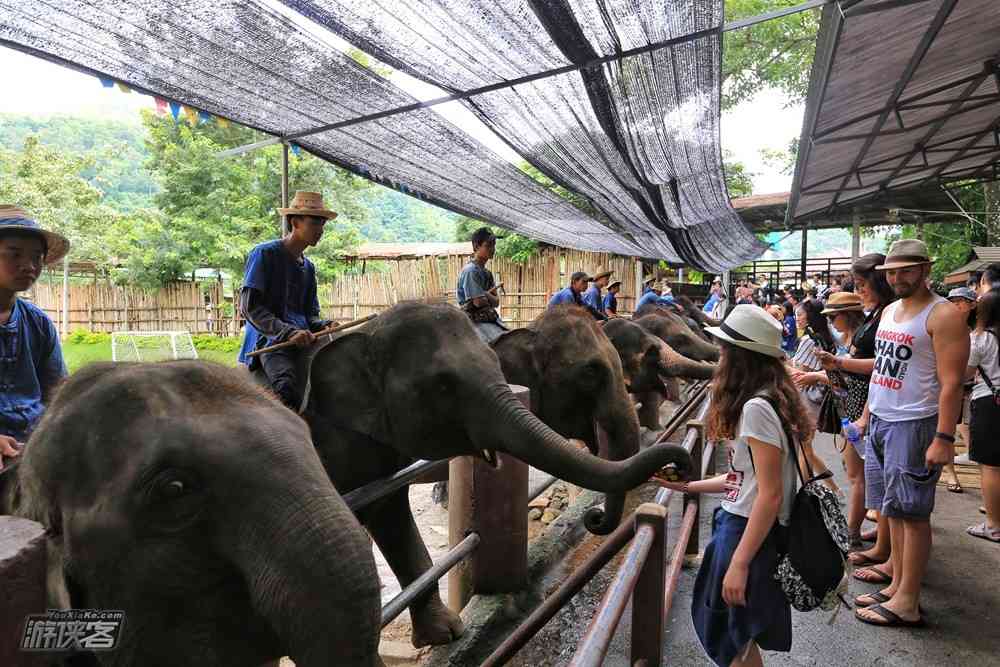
(878, 597)
(892, 620)
(955, 487)
(870, 575)
(859, 559)
(981, 530)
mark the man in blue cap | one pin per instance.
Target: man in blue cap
(31, 362)
(573, 294)
(279, 299)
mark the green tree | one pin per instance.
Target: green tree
(739, 181)
(776, 53)
(220, 208)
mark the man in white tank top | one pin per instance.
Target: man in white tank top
(914, 402)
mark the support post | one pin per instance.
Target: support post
(727, 286)
(648, 598)
(494, 504)
(855, 236)
(22, 571)
(805, 252)
(696, 461)
(65, 297)
(284, 186)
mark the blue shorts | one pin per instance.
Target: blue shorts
(897, 482)
(724, 631)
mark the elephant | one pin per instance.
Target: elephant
(672, 330)
(579, 376)
(192, 500)
(417, 382)
(648, 361)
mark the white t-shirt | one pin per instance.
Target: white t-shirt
(983, 352)
(758, 421)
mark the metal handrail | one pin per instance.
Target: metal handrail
(424, 582)
(613, 544)
(369, 493)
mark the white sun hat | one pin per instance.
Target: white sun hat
(752, 328)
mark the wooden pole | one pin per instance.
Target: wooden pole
(324, 332)
(65, 297)
(855, 235)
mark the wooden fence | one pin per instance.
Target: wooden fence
(527, 286)
(102, 306)
(99, 305)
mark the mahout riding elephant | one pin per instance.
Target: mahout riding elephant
(417, 382)
(671, 329)
(653, 368)
(189, 498)
(577, 377)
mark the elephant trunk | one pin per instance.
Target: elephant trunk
(701, 349)
(673, 364)
(620, 423)
(520, 433)
(310, 574)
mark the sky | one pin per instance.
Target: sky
(45, 88)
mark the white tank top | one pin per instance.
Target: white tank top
(904, 384)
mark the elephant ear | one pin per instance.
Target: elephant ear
(345, 389)
(516, 351)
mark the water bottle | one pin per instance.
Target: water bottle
(851, 431)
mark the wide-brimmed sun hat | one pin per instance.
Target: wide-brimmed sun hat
(840, 302)
(962, 293)
(904, 253)
(751, 328)
(14, 217)
(648, 280)
(601, 272)
(308, 203)
(613, 283)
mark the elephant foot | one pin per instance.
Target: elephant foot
(435, 624)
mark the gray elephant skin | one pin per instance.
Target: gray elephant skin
(578, 376)
(675, 332)
(418, 383)
(190, 499)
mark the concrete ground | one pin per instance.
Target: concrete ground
(961, 602)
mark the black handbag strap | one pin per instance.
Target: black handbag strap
(982, 371)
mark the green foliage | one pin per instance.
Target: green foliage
(84, 337)
(510, 245)
(395, 217)
(777, 53)
(739, 181)
(209, 342)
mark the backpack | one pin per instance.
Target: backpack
(813, 566)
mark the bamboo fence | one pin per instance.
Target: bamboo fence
(199, 307)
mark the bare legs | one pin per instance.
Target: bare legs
(856, 501)
(911, 548)
(991, 494)
(750, 657)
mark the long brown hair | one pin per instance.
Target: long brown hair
(742, 375)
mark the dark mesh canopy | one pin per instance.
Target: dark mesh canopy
(638, 138)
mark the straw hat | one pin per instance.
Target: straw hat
(648, 280)
(751, 328)
(840, 302)
(613, 283)
(14, 217)
(308, 203)
(602, 273)
(904, 253)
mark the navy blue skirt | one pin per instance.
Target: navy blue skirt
(767, 619)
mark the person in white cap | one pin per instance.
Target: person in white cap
(914, 401)
(737, 605)
(29, 345)
(279, 299)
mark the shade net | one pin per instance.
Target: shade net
(639, 138)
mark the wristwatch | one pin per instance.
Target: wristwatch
(944, 436)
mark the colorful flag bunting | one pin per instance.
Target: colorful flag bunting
(175, 110)
(191, 115)
(295, 149)
(124, 87)
(161, 106)
(223, 122)
(107, 83)
(204, 117)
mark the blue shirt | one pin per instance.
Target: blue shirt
(473, 281)
(709, 306)
(565, 295)
(31, 364)
(610, 303)
(592, 298)
(789, 336)
(649, 297)
(288, 286)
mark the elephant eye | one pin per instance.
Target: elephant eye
(172, 485)
(173, 488)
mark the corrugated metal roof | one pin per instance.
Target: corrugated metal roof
(903, 97)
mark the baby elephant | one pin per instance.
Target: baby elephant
(190, 499)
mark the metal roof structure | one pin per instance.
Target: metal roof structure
(981, 258)
(627, 115)
(390, 251)
(904, 98)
